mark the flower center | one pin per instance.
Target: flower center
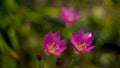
(53, 48)
(70, 18)
(81, 47)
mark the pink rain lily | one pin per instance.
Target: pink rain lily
(81, 42)
(53, 45)
(69, 16)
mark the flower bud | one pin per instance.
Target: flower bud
(58, 62)
(39, 56)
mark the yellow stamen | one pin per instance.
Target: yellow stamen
(81, 46)
(52, 50)
(52, 45)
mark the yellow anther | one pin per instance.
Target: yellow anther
(51, 48)
(81, 46)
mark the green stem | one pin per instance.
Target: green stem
(39, 65)
(71, 64)
(42, 64)
(73, 58)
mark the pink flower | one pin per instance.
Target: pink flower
(69, 16)
(81, 42)
(53, 45)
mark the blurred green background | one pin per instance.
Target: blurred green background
(24, 23)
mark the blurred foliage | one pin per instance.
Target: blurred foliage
(24, 23)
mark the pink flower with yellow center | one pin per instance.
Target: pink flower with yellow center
(69, 16)
(82, 42)
(53, 45)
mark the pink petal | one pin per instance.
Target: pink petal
(89, 40)
(71, 12)
(74, 46)
(48, 38)
(74, 36)
(60, 51)
(80, 35)
(64, 10)
(77, 15)
(90, 48)
(73, 41)
(62, 43)
(64, 13)
(87, 35)
(45, 47)
(63, 48)
(57, 36)
(57, 53)
(65, 16)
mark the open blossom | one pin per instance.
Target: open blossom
(53, 45)
(81, 42)
(69, 16)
